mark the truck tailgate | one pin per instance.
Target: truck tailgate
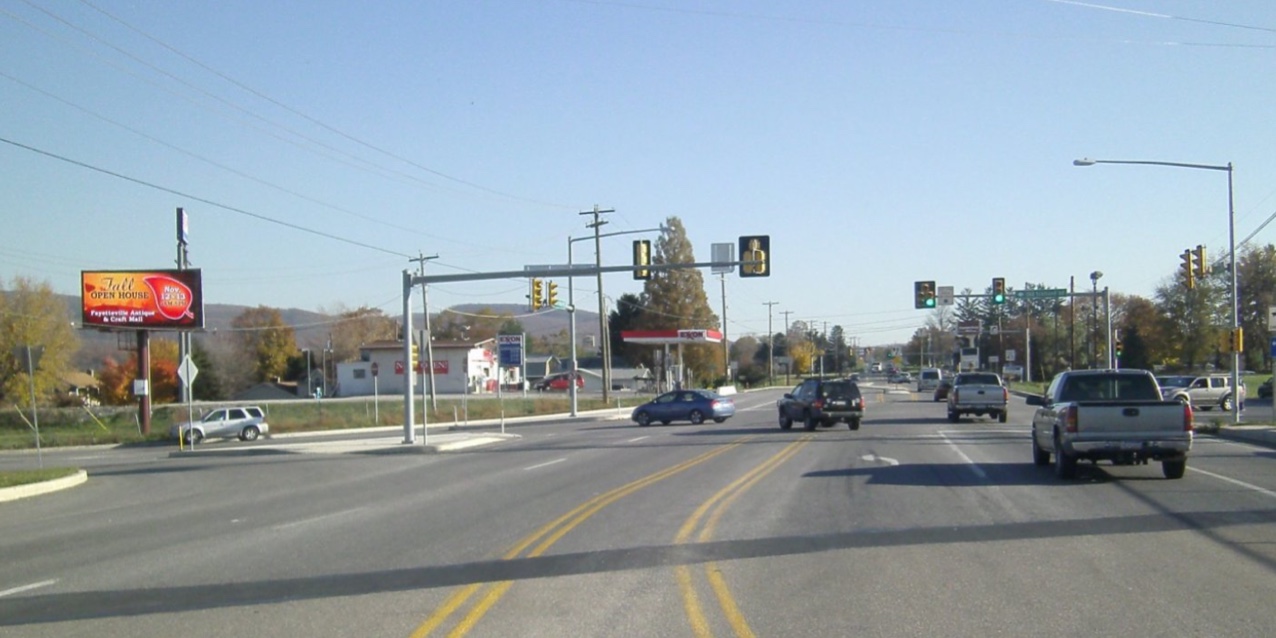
(1125, 417)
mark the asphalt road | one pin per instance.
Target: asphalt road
(910, 526)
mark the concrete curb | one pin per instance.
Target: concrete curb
(1255, 434)
(36, 489)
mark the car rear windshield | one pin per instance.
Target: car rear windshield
(978, 379)
(1110, 387)
(840, 390)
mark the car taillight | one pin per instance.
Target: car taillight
(1187, 417)
(1005, 395)
(1070, 419)
(818, 404)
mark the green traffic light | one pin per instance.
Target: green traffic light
(930, 302)
(999, 299)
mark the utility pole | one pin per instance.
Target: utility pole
(602, 304)
(770, 342)
(787, 345)
(427, 337)
(183, 337)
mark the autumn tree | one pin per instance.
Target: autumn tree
(31, 315)
(676, 299)
(354, 328)
(263, 337)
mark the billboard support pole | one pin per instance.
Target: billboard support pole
(144, 375)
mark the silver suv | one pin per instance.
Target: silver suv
(243, 422)
(1201, 392)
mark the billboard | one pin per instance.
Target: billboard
(141, 299)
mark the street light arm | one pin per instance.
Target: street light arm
(1085, 161)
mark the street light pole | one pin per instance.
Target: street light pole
(1094, 318)
(1231, 243)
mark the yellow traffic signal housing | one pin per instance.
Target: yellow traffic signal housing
(755, 249)
(551, 298)
(538, 294)
(1189, 268)
(1238, 339)
(642, 257)
(1202, 266)
(415, 364)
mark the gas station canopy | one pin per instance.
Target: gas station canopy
(664, 337)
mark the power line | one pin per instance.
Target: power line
(200, 199)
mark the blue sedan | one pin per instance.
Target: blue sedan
(685, 405)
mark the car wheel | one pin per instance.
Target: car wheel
(696, 417)
(643, 419)
(1040, 457)
(193, 437)
(785, 421)
(250, 433)
(854, 424)
(1065, 465)
(808, 423)
(665, 421)
(719, 419)
(1174, 469)
(953, 417)
(1002, 416)
(1226, 404)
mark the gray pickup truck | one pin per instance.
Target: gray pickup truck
(978, 393)
(1115, 415)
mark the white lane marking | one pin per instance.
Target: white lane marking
(1228, 479)
(635, 440)
(873, 458)
(537, 467)
(316, 519)
(974, 467)
(19, 590)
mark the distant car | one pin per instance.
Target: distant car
(941, 390)
(243, 422)
(1265, 390)
(901, 377)
(558, 382)
(685, 405)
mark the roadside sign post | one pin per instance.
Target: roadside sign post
(30, 357)
(376, 396)
(187, 373)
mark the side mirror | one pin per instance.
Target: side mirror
(788, 395)
(1036, 399)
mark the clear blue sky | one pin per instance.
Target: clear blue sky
(877, 143)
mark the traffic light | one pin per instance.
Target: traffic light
(1202, 266)
(1238, 339)
(999, 290)
(538, 294)
(1117, 347)
(923, 294)
(551, 298)
(755, 248)
(1189, 268)
(642, 257)
(415, 364)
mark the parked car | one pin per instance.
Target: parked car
(822, 402)
(685, 405)
(559, 382)
(1265, 390)
(243, 422)
(900, 377)
(1203, 392)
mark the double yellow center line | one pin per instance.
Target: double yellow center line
(719, 503)
(543, 539)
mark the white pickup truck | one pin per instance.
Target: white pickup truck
(1115, 415)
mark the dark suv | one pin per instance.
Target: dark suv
(822, 402)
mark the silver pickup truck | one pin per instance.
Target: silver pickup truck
(1115, 415)
(978, 393)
